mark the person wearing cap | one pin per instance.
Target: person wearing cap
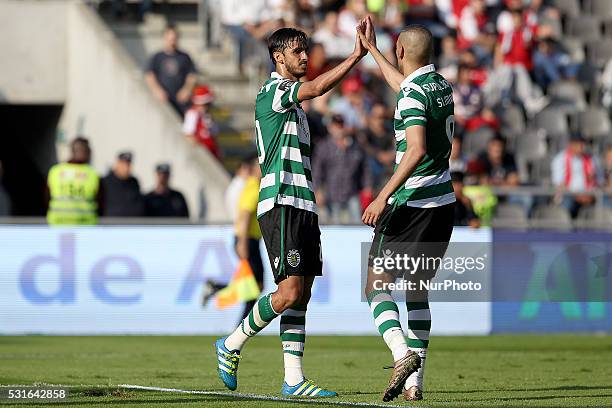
(198, 125)
(575, 172)
(73, 189)
(163, 201)
(122, 196)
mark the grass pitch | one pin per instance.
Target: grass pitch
(494, 371)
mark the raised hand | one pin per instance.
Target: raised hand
(366, 32)
(360, 49)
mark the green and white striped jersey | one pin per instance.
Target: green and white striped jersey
(426, 99)
(283, 145)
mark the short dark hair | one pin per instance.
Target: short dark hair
(498, 138)
(249, 157)
(80, 141)
(284, 38)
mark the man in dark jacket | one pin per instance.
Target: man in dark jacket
(164, 201)
(122, 190)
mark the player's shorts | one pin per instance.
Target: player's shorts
(254, 259)
(293, 242)
(413, 231)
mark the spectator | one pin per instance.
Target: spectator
(449, 11)
(164, 201)
(171, 74)
(449, 58)
(509, 83)
(122, 196)
(424, 12)
(341, 172)
(318, 131)
(5, 199)
(349, 16)
(337, 45)
(505, 20)
(391, 15)
(575, 172)
(198, 125)
(377, 142)
(516, 44)
(305, 15)
(481, 195)
(239, 19)
(470, 112)
(74, 191)
(551, 64)
(499, 166)
(457, 161)
(472, 24)
(464, 213)
(353, 105)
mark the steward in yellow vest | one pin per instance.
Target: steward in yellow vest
(74, 189)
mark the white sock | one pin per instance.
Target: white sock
(236, 340)
(416, 378)
(259, 317)
(386, 318)
(293, 369)
(396, 342)
(293, 337)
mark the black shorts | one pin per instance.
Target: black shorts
(293, 241)
(254, 259)
(413, 231)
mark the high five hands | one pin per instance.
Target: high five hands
(366, 33)
(365, 40)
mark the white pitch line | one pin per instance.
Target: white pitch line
(322, 401)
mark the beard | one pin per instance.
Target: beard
(298, 70)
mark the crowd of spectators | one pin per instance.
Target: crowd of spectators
(502, 57)
(117, 194)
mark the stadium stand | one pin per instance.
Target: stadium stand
(536, 122)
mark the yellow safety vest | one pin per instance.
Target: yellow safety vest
(73, 189)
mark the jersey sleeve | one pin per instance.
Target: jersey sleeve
(412, 107)
(285, 95)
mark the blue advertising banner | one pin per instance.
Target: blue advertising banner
(117, 280)
(551, 281)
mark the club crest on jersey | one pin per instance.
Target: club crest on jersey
(285, 85)
(293, 258)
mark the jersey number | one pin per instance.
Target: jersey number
(450, 127)
(261, 154)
